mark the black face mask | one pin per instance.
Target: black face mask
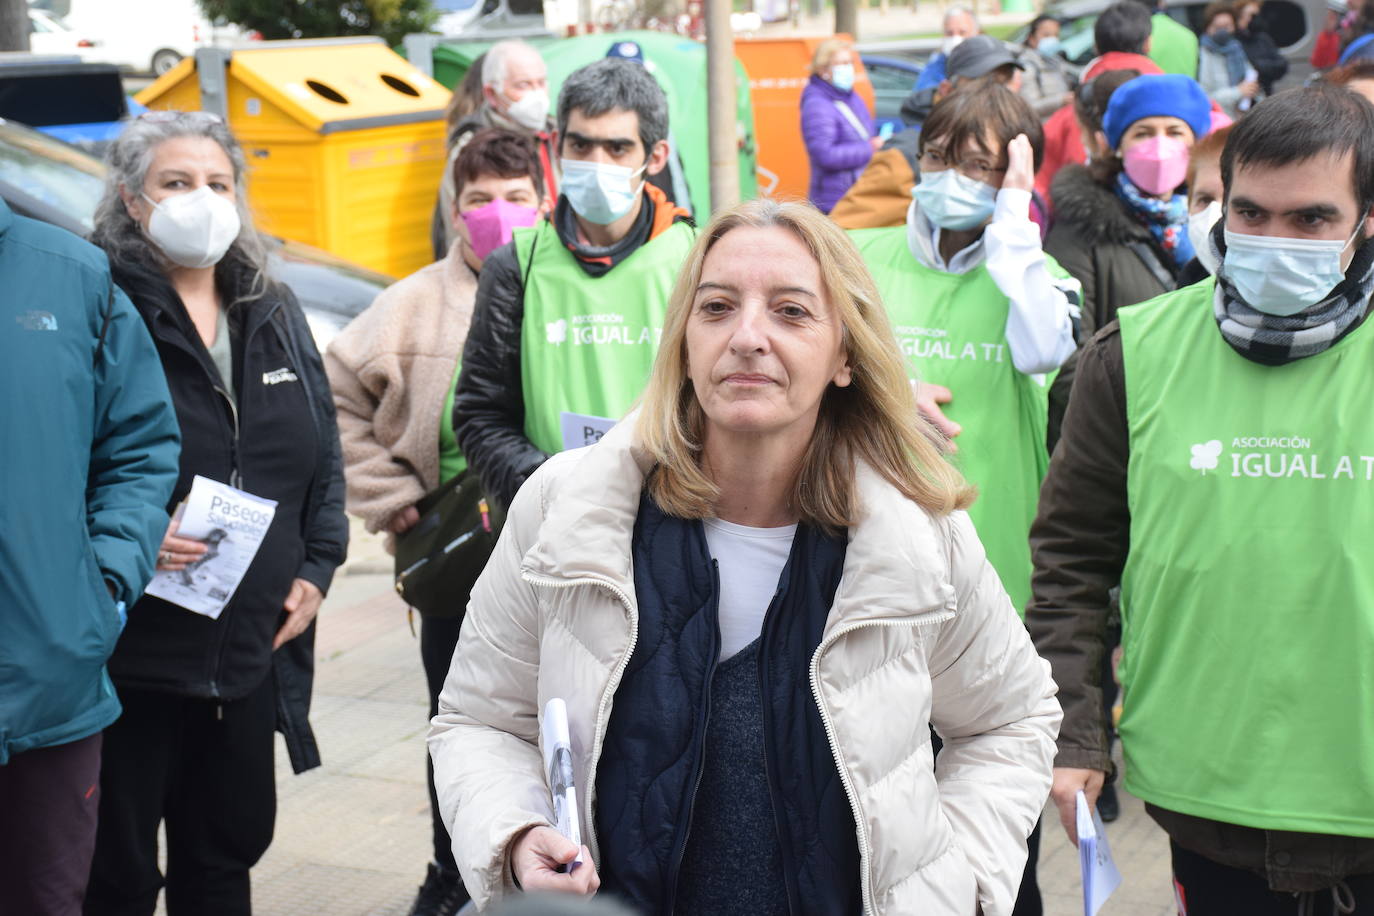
(1222, 37)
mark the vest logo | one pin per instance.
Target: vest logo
(1280, 457)
(557, 331)
(37, 321)
(277, 376)
(1206, 456)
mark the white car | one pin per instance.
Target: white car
(50, 35)
(140, 35)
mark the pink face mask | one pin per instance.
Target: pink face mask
(1157, 165)
(490, 226)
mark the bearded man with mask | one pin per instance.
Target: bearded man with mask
(1215, 463)
(567, 317)
(515, 97)
(393, 371)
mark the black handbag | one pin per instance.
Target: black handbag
(439, 559)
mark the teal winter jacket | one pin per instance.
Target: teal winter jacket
(88, 457)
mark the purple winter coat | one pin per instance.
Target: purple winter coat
(837, 153)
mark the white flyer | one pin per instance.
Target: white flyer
(580, 429)
(1100, 874)
(558, 766)
(232, 524)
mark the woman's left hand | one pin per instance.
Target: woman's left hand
(1020, 165)
(301, 606)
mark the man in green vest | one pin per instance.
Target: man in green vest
(1172, 44)
(982, 314)
(1217, 462)
(568, 315)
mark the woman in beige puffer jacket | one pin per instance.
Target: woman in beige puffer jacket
(786, 373)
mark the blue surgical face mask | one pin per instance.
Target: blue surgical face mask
(952, 200)
(1049, 45)
(599, 192)
(1280, 276)
(842, 77)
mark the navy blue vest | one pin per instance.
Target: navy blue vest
(652, 758)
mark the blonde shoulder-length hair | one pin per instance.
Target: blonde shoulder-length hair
(874, 419)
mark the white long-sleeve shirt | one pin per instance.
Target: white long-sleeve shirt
(1040, 319)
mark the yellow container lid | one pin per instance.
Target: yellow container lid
(328, 84)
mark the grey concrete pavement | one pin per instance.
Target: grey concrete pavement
(352, 837)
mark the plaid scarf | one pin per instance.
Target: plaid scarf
(1167, 220)
(1274, 340)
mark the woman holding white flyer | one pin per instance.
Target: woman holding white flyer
(210, 669)
(755, 597)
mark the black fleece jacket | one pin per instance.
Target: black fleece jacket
(1102, 245)
(278, 440)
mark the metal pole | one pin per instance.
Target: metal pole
(720, 101)
(847, 18)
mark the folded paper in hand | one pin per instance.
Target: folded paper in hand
(558, 766)
(232, 524)
(1100, 875)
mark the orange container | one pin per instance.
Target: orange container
(778, 69)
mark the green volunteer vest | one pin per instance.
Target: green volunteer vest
(1248, 596)
(587, 344)
(451, 459)
(952, 330)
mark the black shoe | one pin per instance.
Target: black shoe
(1108, 807)
(442, 894)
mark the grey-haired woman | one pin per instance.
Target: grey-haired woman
(202, 696)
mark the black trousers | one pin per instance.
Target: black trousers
(206, 769)
(438, 638)
(1207, 888)
(48, 802)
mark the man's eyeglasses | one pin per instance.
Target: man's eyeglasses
(976, 167)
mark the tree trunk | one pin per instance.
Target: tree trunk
(847, 18)
(723, 138)
(14, 25)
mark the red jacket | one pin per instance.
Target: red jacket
(1062, 143)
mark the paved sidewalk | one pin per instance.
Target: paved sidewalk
(352, 836)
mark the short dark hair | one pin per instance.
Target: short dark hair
(1346, 74)
(1298, 124)
(1124, 26)
(616, 84)
(993, 111)
(1091, 98)
(500, 153)
(1037, 22)
(1218, 8)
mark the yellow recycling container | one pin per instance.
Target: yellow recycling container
(344, 137)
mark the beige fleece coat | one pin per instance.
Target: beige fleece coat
(390, 371)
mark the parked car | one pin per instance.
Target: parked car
(44, 178)
(893, 79)
(50, 35)
(154, 40)
(1293, 24)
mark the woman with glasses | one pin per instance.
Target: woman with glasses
(203, 695)
(981, 313)
(835, 124)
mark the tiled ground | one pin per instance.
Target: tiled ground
(352, 836)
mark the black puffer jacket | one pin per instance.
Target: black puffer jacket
(278, 441)
(1097, 240)
(1263, 55)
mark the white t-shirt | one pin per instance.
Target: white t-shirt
(750, 561)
